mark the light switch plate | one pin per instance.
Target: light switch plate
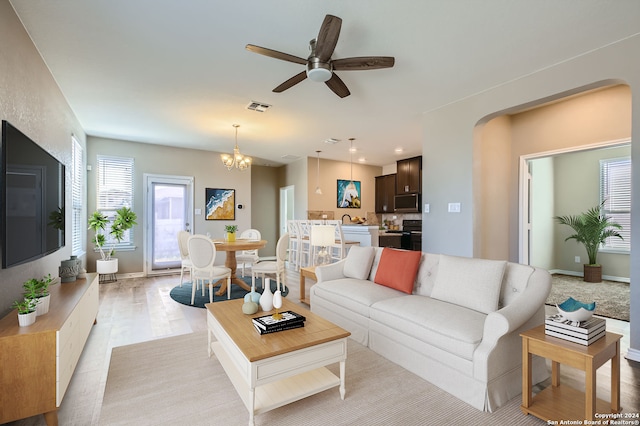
(426, 208)
(198, 212)
(454, 207)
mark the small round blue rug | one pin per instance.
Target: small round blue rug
(183, 294)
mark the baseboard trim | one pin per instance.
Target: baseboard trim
(633, 355)
(580, 274)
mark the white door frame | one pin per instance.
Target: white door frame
(524, 225)
(287, 205)
(149, 180)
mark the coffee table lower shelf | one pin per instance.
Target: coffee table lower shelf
(278, 393)
(562, 403)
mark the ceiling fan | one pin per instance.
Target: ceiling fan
(320, 66)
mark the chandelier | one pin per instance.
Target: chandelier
(236, 159)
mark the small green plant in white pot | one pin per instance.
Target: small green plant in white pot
(124, 220)
(38, 291)
(26, 311)
(231, 232)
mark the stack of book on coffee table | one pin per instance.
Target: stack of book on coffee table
(584, 332)
(267, 324)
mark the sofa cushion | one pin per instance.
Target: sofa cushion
(452, 328)
(397, 269)
(358, 262)
(427, 273)
(472, 283)
(353, 294)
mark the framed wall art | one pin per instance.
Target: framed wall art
(349, 194)
(220, 204)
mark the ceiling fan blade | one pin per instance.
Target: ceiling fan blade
(291, 82)
(363, 63)
(336, 84)
(328, 37)
(275, 54)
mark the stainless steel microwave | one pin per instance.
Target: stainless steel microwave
(407, 203)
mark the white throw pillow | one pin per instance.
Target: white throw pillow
(358, 262)
(472, 283)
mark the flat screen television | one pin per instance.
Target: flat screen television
(32, 222)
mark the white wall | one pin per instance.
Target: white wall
(448, 149)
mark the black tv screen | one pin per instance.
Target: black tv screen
(32, 199)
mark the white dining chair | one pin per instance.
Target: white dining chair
(248, 257)
(293, 251)
(275, 268)
(341, 247)
(185, 261)
(202, 252)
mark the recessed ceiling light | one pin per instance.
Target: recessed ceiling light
(362, 160)
(399, 150)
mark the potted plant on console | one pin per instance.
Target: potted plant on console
(591, 228)
(38, 291)
(124, 220)
(26, 311)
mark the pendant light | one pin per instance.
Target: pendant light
(318, 190)
(351, 185)
(236, 160)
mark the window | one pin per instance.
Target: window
(77, 191)
(115, 190)
(615, 191)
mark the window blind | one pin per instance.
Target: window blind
(615, 192)
(77, 191)
(115, 190)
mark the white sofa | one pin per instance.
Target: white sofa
(456, 324)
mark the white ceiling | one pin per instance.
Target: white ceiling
(176, 72)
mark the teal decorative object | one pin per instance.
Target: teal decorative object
(574, 310)
(253, 296)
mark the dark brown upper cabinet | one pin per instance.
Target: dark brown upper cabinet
(409, 176)
(385, 193)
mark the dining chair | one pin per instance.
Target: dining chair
(306, 248)
(202, 252)
(248, 256)
(183, 238)
(273, 267)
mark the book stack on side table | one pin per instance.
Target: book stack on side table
(267, 324)
(584, 333)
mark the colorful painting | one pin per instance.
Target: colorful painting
(220, 204)
(349, 194)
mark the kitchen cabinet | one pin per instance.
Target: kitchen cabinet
(385, 193)
(390, 240)
(409, 176)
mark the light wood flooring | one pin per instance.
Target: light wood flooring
(140, 309)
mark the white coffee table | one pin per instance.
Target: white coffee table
(272, 370)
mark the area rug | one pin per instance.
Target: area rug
(182, 294)
(611, 297)
(172, 381)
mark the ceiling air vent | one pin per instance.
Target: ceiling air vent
(258, 106)
(290, 157)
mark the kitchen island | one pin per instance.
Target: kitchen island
(366, 235)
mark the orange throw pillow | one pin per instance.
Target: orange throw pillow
(398, 268)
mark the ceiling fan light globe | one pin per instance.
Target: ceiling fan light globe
(318, 71)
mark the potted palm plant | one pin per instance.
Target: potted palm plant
(591, 228)
(124, 220)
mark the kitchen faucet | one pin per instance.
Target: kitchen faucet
(346, 216)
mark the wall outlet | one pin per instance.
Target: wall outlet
(577, 259)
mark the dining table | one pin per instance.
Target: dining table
(231, 247)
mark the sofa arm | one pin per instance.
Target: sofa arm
(513, 316)
(332, 271)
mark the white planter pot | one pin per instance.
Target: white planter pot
(42, 305)
(26, 319)
(107, 266)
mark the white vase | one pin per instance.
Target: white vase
(42, 305)
(107, 266)
(27, 319)
(266, 300)
(277, 299)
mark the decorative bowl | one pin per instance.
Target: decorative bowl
(574, 310)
